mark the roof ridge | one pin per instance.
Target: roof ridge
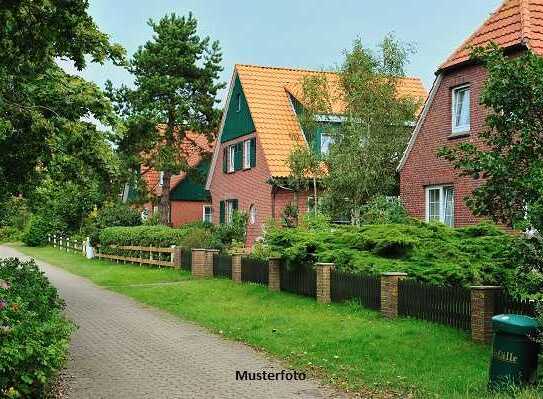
(283, 68)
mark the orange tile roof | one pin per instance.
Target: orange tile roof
(515, 22)
(267, 89)
(194, 147)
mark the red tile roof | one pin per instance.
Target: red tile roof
(514, 23)
(194, 147)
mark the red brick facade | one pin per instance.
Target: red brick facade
(250, 187)
(187, 211)
(423, 167)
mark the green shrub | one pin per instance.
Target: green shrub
(525, 258)
(431, 253)
(14, 213)
(236, 231)
(9, 234)
(35, 336)
(112, 214)
(384, 210)
(38, 229)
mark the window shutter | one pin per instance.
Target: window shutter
(238, 159)
(224, 159)
(317, 140)
(221, 212)
(253, 152)
(234, 204)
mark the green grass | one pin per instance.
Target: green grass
(343, 344)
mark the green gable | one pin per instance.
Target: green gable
(193, 187)
(238, 121)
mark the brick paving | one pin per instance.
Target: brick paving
(123, 349)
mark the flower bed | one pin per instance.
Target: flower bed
(34, 334)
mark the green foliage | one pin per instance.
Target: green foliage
(384, 210)
(525, 257)
(112, 214)
(510, 160)
(14, 212)
(236, 231)
(290, 214)
(40, 104)
(176, 84)
(34, 334)
(9, 234)
(431, 253)
(38, 229)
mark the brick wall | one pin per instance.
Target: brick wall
(423, 168)
(186, 212)
(247, 186)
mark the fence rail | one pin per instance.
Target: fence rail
(222, 265)
(445, 305)
(144, 255)
(346, 286)
(507, 304)
(64, 242)
(254, 271)
(302, 280)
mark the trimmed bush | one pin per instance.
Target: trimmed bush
(432, 253)
(9, 234)
(38, 229)
(34, 334)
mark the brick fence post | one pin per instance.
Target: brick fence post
(483, 303)
(389, 293)
(274, 274)
(323, 282)
(199, 263)
(236, 267)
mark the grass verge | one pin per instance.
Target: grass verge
(351, 347)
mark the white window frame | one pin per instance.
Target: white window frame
(441, 189)
(247, 154)
(231, 153)
(210, 213)
(458, 129)
(161, 179)
(228, 211)
(252, 214)
(330, 142)
(239, 103)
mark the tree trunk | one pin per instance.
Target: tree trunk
(164, 208)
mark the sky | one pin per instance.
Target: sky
(310, 34)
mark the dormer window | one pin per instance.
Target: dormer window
(326, 142)
(461, 110)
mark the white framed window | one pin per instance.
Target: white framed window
(461, 110)
(161, 179)
(238, 109)
(231, 158)
(247, 154)
(229, 211)
(252, 214)
(440, 204)
(207, 213)
(326, 141)
(311, 203)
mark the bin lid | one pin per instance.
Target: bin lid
(515, 324)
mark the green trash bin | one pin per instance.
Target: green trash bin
(514, 352)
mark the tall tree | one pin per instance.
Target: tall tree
(509, 162)
(39, 101)
(176, 84)
(374, 128)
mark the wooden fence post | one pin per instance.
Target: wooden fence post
(54, 240)
(60, 245)
(389, 293)
(483, 304)
(274, 274)
(209, 261)
(199, 262)
(324, 271)
(68, 244)
(176, 257)
(236, 267)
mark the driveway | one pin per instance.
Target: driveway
(123, 349)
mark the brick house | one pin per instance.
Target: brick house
(430, 188)
(189, 200)
(260, 127)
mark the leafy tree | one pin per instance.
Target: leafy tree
(374, 129)
(509, 163)
(175, 91)
(38, 100)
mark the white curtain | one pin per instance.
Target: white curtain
(448, 206)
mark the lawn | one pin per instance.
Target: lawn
(343, 344)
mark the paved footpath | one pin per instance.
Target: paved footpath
(123, 349)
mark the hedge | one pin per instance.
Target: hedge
(34, 334)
